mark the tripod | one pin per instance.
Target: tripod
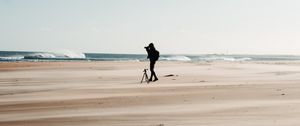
(145, 76)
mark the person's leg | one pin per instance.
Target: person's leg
(151, 70)
(155, 77)
(154, 74)
(152, 64)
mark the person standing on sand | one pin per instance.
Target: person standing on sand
(153, 56)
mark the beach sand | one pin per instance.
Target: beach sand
(110, 94)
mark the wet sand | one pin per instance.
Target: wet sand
(110, 94)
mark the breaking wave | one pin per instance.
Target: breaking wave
(70, 54)
(56, 55)
(176, 58)
(223, 58)
(12, 58)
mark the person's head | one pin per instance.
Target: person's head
(151, 46)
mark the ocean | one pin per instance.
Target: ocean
(16, 56)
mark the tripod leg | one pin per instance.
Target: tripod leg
(146, 77)
(142, 78)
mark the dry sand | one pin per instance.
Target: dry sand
(109, 94)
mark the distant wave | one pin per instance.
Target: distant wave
(204, 58)
(176, 58)
(70, 54)
(224, 58)
(12, 58)
(40, 55)
(56, 55)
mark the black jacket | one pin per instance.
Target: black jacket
(153, 54)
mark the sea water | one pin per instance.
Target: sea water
(13, 56)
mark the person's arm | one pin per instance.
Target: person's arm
(148, 52)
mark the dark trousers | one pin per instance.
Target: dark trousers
(152, 64)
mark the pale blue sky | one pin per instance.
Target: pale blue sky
(175, 26)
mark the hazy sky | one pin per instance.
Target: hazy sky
(175, 26)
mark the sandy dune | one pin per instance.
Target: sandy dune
(109, 94)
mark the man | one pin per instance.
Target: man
(153, 56)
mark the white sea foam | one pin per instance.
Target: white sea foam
(58, 54)
(70, 54)
(223, 58)
(244, 59)
(42, 55)
(176, 58)
(12, 58)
